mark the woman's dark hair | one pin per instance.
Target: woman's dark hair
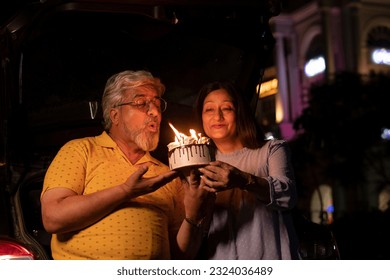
(248, 130)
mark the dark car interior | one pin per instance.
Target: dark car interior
(27, 201)
(58, 55)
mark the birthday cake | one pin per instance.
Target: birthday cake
(188, 151)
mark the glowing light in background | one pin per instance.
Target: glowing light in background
(268, 88)
(315, 66)
(381, 56)
(385, 134)
(279, 111)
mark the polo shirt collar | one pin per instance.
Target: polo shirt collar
(106, 141)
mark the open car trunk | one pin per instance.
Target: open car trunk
(57, 55)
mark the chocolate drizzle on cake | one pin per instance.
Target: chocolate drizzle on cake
(189, 155)
(188, 150)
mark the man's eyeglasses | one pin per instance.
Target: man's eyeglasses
(143, 103)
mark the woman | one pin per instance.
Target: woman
(253, 180)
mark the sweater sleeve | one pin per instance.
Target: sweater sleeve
(281, 177)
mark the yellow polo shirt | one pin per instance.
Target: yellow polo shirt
(138, 230)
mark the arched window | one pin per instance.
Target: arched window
(315, 59)
(378, 43)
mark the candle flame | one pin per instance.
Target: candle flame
(182, 139)
(177, 133)
(193, 134)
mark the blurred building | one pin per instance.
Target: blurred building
(315, 40)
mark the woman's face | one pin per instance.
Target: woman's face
(219, 116)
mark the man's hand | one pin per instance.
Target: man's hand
(137, 185)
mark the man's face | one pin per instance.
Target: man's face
(140, 125)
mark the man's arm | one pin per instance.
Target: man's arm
(199, 205)
(63, 210)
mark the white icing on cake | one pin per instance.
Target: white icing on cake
(188, 150)
(189, 155)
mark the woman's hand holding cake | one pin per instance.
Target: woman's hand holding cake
(220, 176)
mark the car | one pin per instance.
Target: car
(56, 56)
